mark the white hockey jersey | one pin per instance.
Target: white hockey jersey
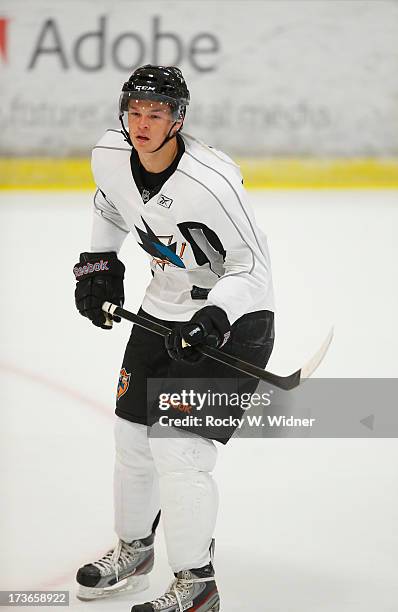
(198, 231)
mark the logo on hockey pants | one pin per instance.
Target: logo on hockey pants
(124, 382)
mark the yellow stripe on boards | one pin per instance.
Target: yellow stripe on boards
(282, 173)
(320, 173)
(45, 173)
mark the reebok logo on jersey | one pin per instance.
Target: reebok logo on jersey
(164, 201)
(100, 266)
(123, 384)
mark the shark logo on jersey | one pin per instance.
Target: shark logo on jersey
(164, 201)
(124, 382)
(162, 248)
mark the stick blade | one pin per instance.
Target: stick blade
(311, 366)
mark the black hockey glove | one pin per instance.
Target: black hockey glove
(99, 279)
(208, 326)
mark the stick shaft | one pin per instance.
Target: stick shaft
(249, 369)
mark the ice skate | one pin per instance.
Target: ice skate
(120, 569)
(194, 589)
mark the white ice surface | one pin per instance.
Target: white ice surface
(304, 525)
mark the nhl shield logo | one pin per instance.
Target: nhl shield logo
(123, 384)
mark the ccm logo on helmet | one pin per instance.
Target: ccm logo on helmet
(99, 266)
(144, 88)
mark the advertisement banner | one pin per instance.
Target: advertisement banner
(266, 78)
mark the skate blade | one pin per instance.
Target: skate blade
(133, 584)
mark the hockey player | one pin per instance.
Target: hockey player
(185, 204)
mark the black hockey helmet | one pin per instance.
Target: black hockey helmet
(162, 83)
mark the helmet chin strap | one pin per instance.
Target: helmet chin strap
(125, 132)
(168, 137)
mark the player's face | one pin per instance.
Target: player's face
(149, 123)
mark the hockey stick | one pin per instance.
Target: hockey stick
(282, 382)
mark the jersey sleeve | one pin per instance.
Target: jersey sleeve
(247, 282)
(108, 227)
